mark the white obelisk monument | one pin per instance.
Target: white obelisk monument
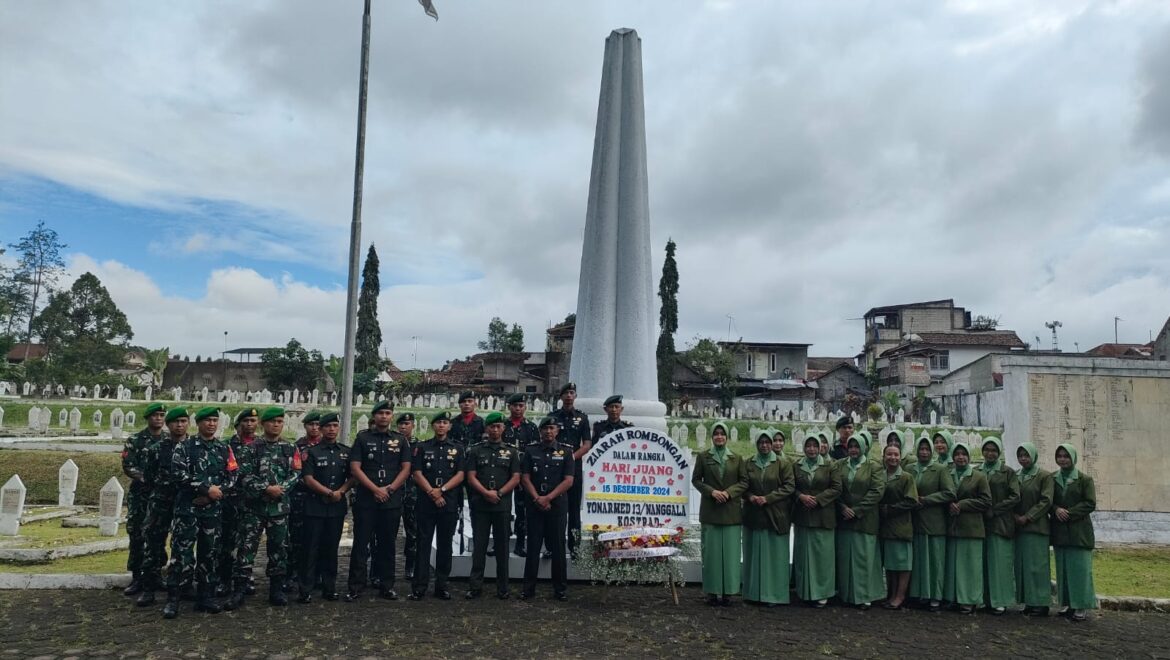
(614, 339)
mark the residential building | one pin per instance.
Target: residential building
(886, 327)
(926, 357)
(1160, 347)
(1125, 351)
(834, 384)
(22, 351)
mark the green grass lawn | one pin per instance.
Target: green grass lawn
(50, 534)
(38, 470)
(1141, 572)
(102, 562)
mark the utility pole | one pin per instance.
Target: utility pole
(1116, 320)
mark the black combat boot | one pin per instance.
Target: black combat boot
(206, 602)
(135, 587)
(146, 597)
(276, 592)
(171, 609)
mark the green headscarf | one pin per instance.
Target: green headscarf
(1027, 475)
(946, 436)
(810, 465)
(920, 467)
(862, 440)
(763, 460)
(719, 453)
(992, 466)
(1065, 476)
(955, 473)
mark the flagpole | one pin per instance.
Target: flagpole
(355, 232)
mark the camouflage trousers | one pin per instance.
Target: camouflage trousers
(410, 525)
(160, 511)
(275, 531)
(194, 550)
(230, 542)
(136, 507)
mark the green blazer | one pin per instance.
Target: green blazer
(936, 490)
(897, 506)
(1005, 495)
(863, 496)
(1080, 498)
(776, 484)
(1036, 503)
(973, 495)
(823, 484)
(706, 479)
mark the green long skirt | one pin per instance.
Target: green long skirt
(964, 572)
(1033, 570)
(859, 567)
(765, 566)
(721, 559)
(1074, 578)
(813, 563)
(897, 555)
(930, 560)
(999, 571)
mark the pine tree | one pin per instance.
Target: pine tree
(667, 323)
(369, 333)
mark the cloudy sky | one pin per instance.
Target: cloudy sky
(811, 160)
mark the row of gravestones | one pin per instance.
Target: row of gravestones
(110, 499)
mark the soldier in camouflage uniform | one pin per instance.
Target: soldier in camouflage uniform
(158, 472)
(245, 423)
(269, 469)
(405, 424)
(203, 468)
(133, 458)
(296, 516)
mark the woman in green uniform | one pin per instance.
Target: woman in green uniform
(818, 485)
(823, 450)
(897, 527)
(965, 532)
(900, 439)
(1074, 498)
(943, 444)
(767, 504)
(859, 570)
(1033, 565)
(936, 490)
(721, 477)
(778, 441)
(999, 547)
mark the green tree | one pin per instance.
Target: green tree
(37, 271)
(293, 366)
(84, 333)
(369, 332)
(706, 357)
(502, 340)
(156, 364)
(667, 324)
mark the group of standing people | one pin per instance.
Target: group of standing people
(215, 498)
(945, 532)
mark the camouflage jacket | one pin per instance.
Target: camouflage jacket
(198, 465)
(158, 467)
(237, 444)
(134, 458)
(264, 464)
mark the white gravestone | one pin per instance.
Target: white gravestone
(97, 419)
(11, 506)
(97, 391)
(225, 422)
(62, 418)
(1, 417)
(360, 401)
(131, 417)
(27, 388)
(683, 432)
(116, 420)
(315, 396)
(66, 483)
(110, 507)
(74, 420)
(701, 436)
(933, 418)
(900, 416)
(363, 423)
(34, 418)
(423, 424)
(149, 393)
(735, 434)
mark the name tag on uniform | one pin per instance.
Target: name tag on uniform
(322, 462)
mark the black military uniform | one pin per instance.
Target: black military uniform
(839, 450)
(520, 436)
(440, 462)
(328, 464)
(574, 429)
(547, 465)
(381, 455)
(492, 464)
(296, 514)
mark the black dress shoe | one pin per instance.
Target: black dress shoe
(330, 595)
(351, 596)
(416, 596)
(472, 595)
(725, 601)
(520, 551)
(525, 595)
(389, 594)
(171, 609)
(491, 552)
(546, 555)
(712, 600)
(561, 596)
(305, 597)
(134, 588)
(409, 574)
(375, 583)
(503, 595)
(250, 588)
(145, 598)
(443, 594)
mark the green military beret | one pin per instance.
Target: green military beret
(617, 398)
(153, 408)
(204, 413)
(493, 418)
(176, 413)
(329, 418)
(548, 421)
(383, 405)
(271, 413)
(246, 413)
(515, 398)
(441, 417)
(465, 395)
(311, 416)
(568, 386)
(404, 417)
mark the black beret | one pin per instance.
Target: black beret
(548, 421)
(404, 417)
(384, 404)
(443, 416)
(246, 412)
(465, 395)
(617, 398)
(568, 386)
(844, 421)
(330, 418)
(515, 398)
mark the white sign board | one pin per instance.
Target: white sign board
(635, 477)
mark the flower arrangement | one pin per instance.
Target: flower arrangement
(637, 555)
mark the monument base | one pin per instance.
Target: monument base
(651, 414)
